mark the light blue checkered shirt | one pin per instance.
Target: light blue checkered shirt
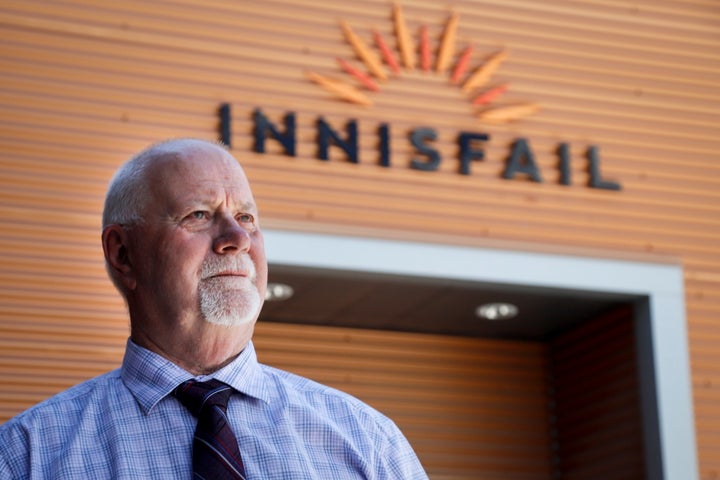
(126, 424)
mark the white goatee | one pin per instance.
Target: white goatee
(229, 300)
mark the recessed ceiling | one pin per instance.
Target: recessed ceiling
(413, 304)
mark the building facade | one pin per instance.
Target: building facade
(565, 152)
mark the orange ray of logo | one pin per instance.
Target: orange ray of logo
(382, 63)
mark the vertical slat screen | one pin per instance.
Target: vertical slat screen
(596, 396)
(85, 84)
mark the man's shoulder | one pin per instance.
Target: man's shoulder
(302, 392)
(68, 404)
(340, 418)
(304, 386)
(55, 438)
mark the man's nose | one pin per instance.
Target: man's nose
(232, 237)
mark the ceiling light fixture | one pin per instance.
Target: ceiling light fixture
(496, 311)
(277, 292)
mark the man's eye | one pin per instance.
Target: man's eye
(199, 215)
(245, 218)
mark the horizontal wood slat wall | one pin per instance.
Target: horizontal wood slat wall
(83, 85)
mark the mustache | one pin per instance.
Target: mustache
(213, 266)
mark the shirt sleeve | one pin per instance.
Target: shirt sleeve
(398, 459)
(14, 455)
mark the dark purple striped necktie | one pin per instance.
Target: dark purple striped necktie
(215, 449)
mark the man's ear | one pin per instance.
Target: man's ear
(116, 250)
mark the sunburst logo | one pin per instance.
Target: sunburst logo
(382, 63)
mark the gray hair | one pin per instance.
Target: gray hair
(127, 193)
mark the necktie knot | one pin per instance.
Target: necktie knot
(197, 396)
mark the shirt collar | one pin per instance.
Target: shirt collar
(151, 377)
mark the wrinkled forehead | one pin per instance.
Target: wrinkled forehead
(197, 171)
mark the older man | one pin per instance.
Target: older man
(183, 245)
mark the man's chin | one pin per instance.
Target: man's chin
(230, 306)
(231, 309)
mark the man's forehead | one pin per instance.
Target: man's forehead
(195, 160)
(213, 193)
(188, 186)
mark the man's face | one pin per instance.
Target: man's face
(199, 254)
